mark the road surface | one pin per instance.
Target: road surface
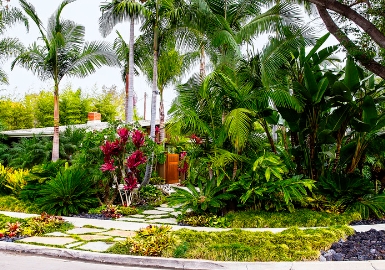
(18, 261)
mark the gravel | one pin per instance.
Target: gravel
(361, 246)
(368, 222)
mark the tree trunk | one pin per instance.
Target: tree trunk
(352, 15)
(55, 144)
(202, 64)
(161, 118)
(352, 49)
(148, 172)
(126, 106)
(130, 104)
(270, 139)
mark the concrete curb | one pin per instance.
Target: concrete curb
(126, 260)
(186, 264)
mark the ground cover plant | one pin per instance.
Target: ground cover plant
(235, 245)
(264, 219)
(14, 228)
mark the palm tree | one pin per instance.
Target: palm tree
(158, 26)
(122, 51)
(172, 65)
(9, 46)
(113, 13)
(63, 52)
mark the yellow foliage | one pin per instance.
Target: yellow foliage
(13, 179)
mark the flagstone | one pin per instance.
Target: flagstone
(120, 239)
(119, 233)
(164, 221)
(165, 209)
(96, 246)
(154, 212)
(91, 237)
(74, 244)
(84, 231)
(157, 216)
(132, 219)
(57, 241)
(56, 234)
(135, 216)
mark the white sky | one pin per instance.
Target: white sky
(87, 13)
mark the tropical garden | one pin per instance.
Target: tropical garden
(287, 132)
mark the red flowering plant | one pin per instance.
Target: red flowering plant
(123, 159)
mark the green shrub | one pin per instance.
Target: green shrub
(45, 224)
(237, 245)
(126, 211)
(10, 203)
(70, 192)
(149, 241)
(209, 198)
(151, 195)
(206, 220)
(300, 218)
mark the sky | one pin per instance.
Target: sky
(86, 13)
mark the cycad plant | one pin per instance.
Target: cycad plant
(208, 197)
(70, 192)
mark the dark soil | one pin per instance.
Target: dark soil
(361, 246)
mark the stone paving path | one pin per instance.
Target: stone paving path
(104, 233)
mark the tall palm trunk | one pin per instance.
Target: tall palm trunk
(148, 172)
(202, 64)
(126, 106)
(55, 144)
(161, 117)
(130, 104)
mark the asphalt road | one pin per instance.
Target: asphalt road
(15, 261)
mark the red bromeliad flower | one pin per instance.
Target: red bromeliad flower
(108, 166)
(123, 134)
(196, 139)
(138, 138)
(111, 149)
(131, 182)
(184, 168)
(137, 158)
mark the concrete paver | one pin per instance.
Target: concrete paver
(119, 233)
(96, 246)
(57, 241)
(171, 221)
(84, 231)
(165, 209)
(91, 237)
(154, 212)
(59, 234)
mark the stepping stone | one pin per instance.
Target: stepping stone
(157, 216)
(132, 219)
(176, 213)
(135, 216)
(90, 237)
(165, 209)
(119, 239)
(164, 221)
(58, 234)
(96, 246)
(84, 231)
(119, 233)
(74, 244)
(57, 241)
(153, 212)
(164, 205)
